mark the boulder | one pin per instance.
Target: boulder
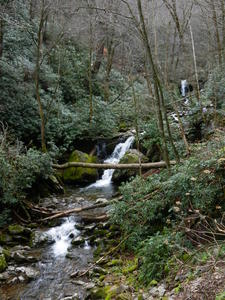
(130, 157)
(80, 175)
(19, 230)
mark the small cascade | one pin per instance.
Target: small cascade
(117, 154)
(183, 87)
(62, 235)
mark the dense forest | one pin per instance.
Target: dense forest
(112, 149)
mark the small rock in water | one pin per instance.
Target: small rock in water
(21, 278)
(71, 236)
(79, 199)
(78, 241)
(29, 272)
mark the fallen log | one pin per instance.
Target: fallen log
(68, 212)
(94, 219)
(155, 165)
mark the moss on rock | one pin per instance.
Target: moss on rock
(3, 264)
(81, 175)
(130, 157)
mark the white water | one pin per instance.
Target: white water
(183, 87)
(117, 154)
(61, 236)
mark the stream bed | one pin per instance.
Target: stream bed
(43, 271)
(56, 261)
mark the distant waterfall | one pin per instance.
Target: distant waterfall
(183, 87)
(117, 154)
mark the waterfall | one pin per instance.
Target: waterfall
(117, 154)
(183, 87)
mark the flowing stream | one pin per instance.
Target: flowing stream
(59, 259)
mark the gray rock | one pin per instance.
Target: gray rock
(78, 241)
(161, 290)
(21, 279)
(4, 276)
(89, 285)
(29, 272)
(101, 201)
(40, 238)
(14, 280)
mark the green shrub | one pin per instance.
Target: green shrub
(155, 254)
(18, 172)
(197, 184)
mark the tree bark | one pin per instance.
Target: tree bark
(37, 77)
(155, 165)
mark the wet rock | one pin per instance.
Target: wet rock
(80, 226)
(89, 228)
(21, 256)
(19, 230)
(71, 236)
(79, 199)
(29, 272)
(3, 263)
(40, 239)
(78, 241)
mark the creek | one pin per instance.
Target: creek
(69, 248)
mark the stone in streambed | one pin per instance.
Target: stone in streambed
(6, 239)
(80, 175)
(19, 230)
(78, 241)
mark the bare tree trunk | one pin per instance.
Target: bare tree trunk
(215, 22)
(110, 55)
(98, 60)
(90, 77)
(37, 76)
(156, 83)
(195, 65)
(136, 124)
(183, 135)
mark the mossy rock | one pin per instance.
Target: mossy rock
(3, 264)
(19, 231)
(130, 157)
(99, 293)
(81, 175)
(6, 239)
